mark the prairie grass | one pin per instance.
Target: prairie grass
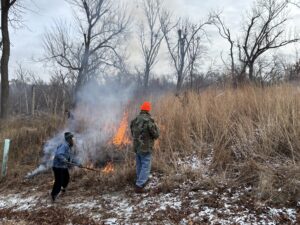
(27, 137)
(251, 134)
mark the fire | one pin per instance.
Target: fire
(109, 168)
(121, 137)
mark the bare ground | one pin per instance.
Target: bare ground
(189, 203)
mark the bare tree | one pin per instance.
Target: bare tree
(39, 94)
(295, 3)
(150, 36)
(269, 71)
(290, 66)
(178, 48)
(264, 31)
(30, 94)
(60, 81)
(225, 33)
(6, 6)
(23, 77)
(45, 96)
(102, 25)
(195, 53)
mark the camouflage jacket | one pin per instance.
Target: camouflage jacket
(144, 131)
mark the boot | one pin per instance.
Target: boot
(139, 190)
(53, 198)
(147, 182)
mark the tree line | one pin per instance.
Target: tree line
(94, 43)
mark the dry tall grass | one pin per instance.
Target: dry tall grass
(253, 135)
(27, 137)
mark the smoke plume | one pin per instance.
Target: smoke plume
(93, 122)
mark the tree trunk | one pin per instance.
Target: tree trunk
(179, 82)
(81, 79)
(146, 77)
(192, 74)
(33, 100)
(55, 106)
(26, 100)
(233, 73)
(78, 84)
(4, 59)
(63, 101)
(241, 76)
(20, 105)
(181, 41)
(251, 71)
(192, 80)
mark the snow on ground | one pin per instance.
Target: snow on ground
(195, 207)
(18, 202)
(183, 205)
(194, 162)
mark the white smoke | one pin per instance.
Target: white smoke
(48, 150)
(93, 122)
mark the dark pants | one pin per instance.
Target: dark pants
(62, 177)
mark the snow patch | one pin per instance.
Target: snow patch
(18, 202)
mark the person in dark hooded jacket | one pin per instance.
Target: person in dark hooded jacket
(63, 158)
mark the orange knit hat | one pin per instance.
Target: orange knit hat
(146, 106)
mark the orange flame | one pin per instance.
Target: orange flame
(109, 168)
(120, 137)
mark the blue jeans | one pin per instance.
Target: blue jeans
(143, 167)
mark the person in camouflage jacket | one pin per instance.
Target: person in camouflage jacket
(144, 132)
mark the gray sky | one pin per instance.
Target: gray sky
(27, 42)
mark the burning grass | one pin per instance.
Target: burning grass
(121, 137)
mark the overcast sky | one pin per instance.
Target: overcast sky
(27, 42)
